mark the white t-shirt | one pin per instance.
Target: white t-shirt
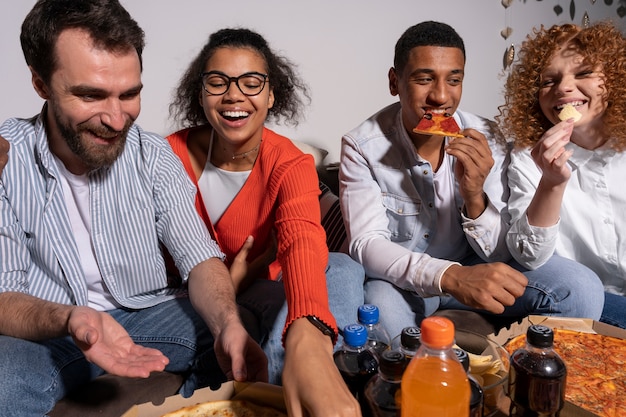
(76, 195)
(448, 239)
(219, 187)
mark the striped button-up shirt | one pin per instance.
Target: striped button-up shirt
(143, 200)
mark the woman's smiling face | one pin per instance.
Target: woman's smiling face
(235, 117)
(568, 80)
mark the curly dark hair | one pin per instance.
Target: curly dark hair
(108, 23)
(283, 80)
(426, 33)
(521, 118)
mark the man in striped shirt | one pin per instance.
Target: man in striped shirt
(86, 201)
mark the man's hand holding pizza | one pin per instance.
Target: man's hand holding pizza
(474, 162)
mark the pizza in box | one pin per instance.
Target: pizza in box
(596, 370)
(438, 123)
(226, 408)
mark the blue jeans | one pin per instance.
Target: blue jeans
(560, 287)
(614, 312)
(344, 281)
(36, 375)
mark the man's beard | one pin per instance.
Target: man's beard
(94, 156)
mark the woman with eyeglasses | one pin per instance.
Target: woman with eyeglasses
(258, 194)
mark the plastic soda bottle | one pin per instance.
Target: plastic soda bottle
(377, 337)
(383, 389)
(537, 376)
(435, 383)
(356, 363)
(410, 341)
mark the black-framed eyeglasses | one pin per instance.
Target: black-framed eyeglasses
(216, 83)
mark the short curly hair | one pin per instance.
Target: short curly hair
(290, 92)
(521, 118)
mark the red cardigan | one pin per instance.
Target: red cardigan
(281, 193)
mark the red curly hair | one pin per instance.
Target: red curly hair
(521, 118)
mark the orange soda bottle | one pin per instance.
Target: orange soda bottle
(435, 383)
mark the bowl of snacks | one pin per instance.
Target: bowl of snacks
(489, 365)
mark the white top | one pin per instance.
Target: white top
(592, 227)
(448, 239)
(219, 182)
(76, 195)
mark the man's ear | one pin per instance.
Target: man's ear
(40, 86)
(393, 81)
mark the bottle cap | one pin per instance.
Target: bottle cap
(368, 314)
(410, 337)
(355, 335)
(437, 331)
(392, 363)
(539, 336)
(463, 358)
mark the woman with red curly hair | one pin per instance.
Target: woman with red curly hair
(566, 176)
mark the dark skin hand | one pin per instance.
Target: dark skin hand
(490, 287)
(474, 162)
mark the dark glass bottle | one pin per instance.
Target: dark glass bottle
(356, 363)
(383, 390)
(476, 391)
(537, 376)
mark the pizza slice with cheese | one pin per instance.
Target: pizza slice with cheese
(442, 124)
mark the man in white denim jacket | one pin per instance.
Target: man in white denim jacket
(426, 215)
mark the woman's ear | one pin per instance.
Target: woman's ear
(270, 99)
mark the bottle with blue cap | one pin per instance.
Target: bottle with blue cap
(356, 363)
(378, 339)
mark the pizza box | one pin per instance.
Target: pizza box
(566, 323)
(256, 392)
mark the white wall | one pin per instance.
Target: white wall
(343, 49)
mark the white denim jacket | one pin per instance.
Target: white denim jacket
(387, 195)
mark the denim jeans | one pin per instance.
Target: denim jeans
(614, 312)
(36, 375)
(560, 287)
(344, 281)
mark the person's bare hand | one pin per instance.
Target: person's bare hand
(550, 155)
(106, 343)
(473, 164)
(4, 153)
(234, 349)
(243, 272)
(311, 382)
(490, 286)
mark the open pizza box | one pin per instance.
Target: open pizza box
(579, 325)
(257, 392)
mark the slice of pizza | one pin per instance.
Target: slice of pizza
(442, 124)
(226, 408)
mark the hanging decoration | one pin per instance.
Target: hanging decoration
(571, 7)
(509, 57)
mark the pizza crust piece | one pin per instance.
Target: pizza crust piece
(569, 112)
